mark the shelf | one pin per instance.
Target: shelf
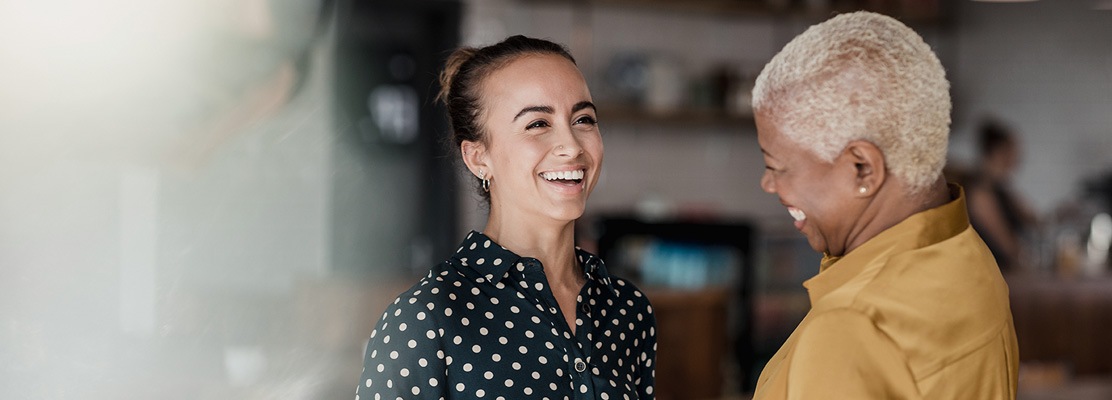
(909, 11)
(629, 115)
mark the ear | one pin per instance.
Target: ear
(475, 157)
(870, 169)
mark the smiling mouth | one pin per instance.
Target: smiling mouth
(797, 214)
(564, 177)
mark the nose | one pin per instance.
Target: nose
(767, 183)
(568, 145)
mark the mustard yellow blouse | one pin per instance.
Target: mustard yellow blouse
(918, 312)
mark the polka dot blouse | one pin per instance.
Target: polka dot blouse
(484, 325)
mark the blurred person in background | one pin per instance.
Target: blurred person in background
(996, 212)
(519, 311)
(853, 117)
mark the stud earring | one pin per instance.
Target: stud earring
(485, 182)
(862, 190)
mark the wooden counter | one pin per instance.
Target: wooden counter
(1064, 321)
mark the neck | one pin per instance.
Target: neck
(894, 204)
(551, 242)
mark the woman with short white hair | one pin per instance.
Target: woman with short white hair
(853, 118)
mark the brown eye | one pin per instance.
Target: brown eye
(586, 119)
(537, 124)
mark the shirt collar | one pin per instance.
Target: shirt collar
(479, 256)
(917, 231)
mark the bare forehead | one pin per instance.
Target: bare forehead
(536, 75)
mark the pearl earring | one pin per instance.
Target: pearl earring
(862, 190)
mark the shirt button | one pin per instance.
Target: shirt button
(580, 366)
(585, 307)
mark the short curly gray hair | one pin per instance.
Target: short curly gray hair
(862, 76)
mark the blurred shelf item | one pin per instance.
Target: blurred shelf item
(915, 11)
(705, 117)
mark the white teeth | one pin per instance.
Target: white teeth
(796, 213)
(563, 175)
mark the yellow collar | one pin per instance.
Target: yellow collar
(917, 231)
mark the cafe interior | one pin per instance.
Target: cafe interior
(218, 199)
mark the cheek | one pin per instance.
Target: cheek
(595, 149)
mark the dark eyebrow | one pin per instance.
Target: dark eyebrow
(526, 110)
(549, 110)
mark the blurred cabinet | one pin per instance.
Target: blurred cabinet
(698, 276)
(1064, 321)
(692, 342)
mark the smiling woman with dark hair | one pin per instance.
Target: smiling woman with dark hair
(519, 311)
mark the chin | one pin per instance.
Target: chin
(569, 214)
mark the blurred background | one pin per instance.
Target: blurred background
(216, 199)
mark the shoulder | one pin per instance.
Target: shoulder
(427, 297)
(629, 293)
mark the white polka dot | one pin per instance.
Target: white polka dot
(488, 375)
(523, 349)
(496, 357)
(412, 344)
(509, 383)
(480, 393)
(467, 367)
(421, 316)
(416, 390)
(528, 391)
(368, 383)
(476, 349)
(480, 261)
(433, 382)
(394, 355)
(404, 372)
(464, 321)
(460, 387)
(430, 334)
(497, 261)
(509, 324)
(423, 362)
